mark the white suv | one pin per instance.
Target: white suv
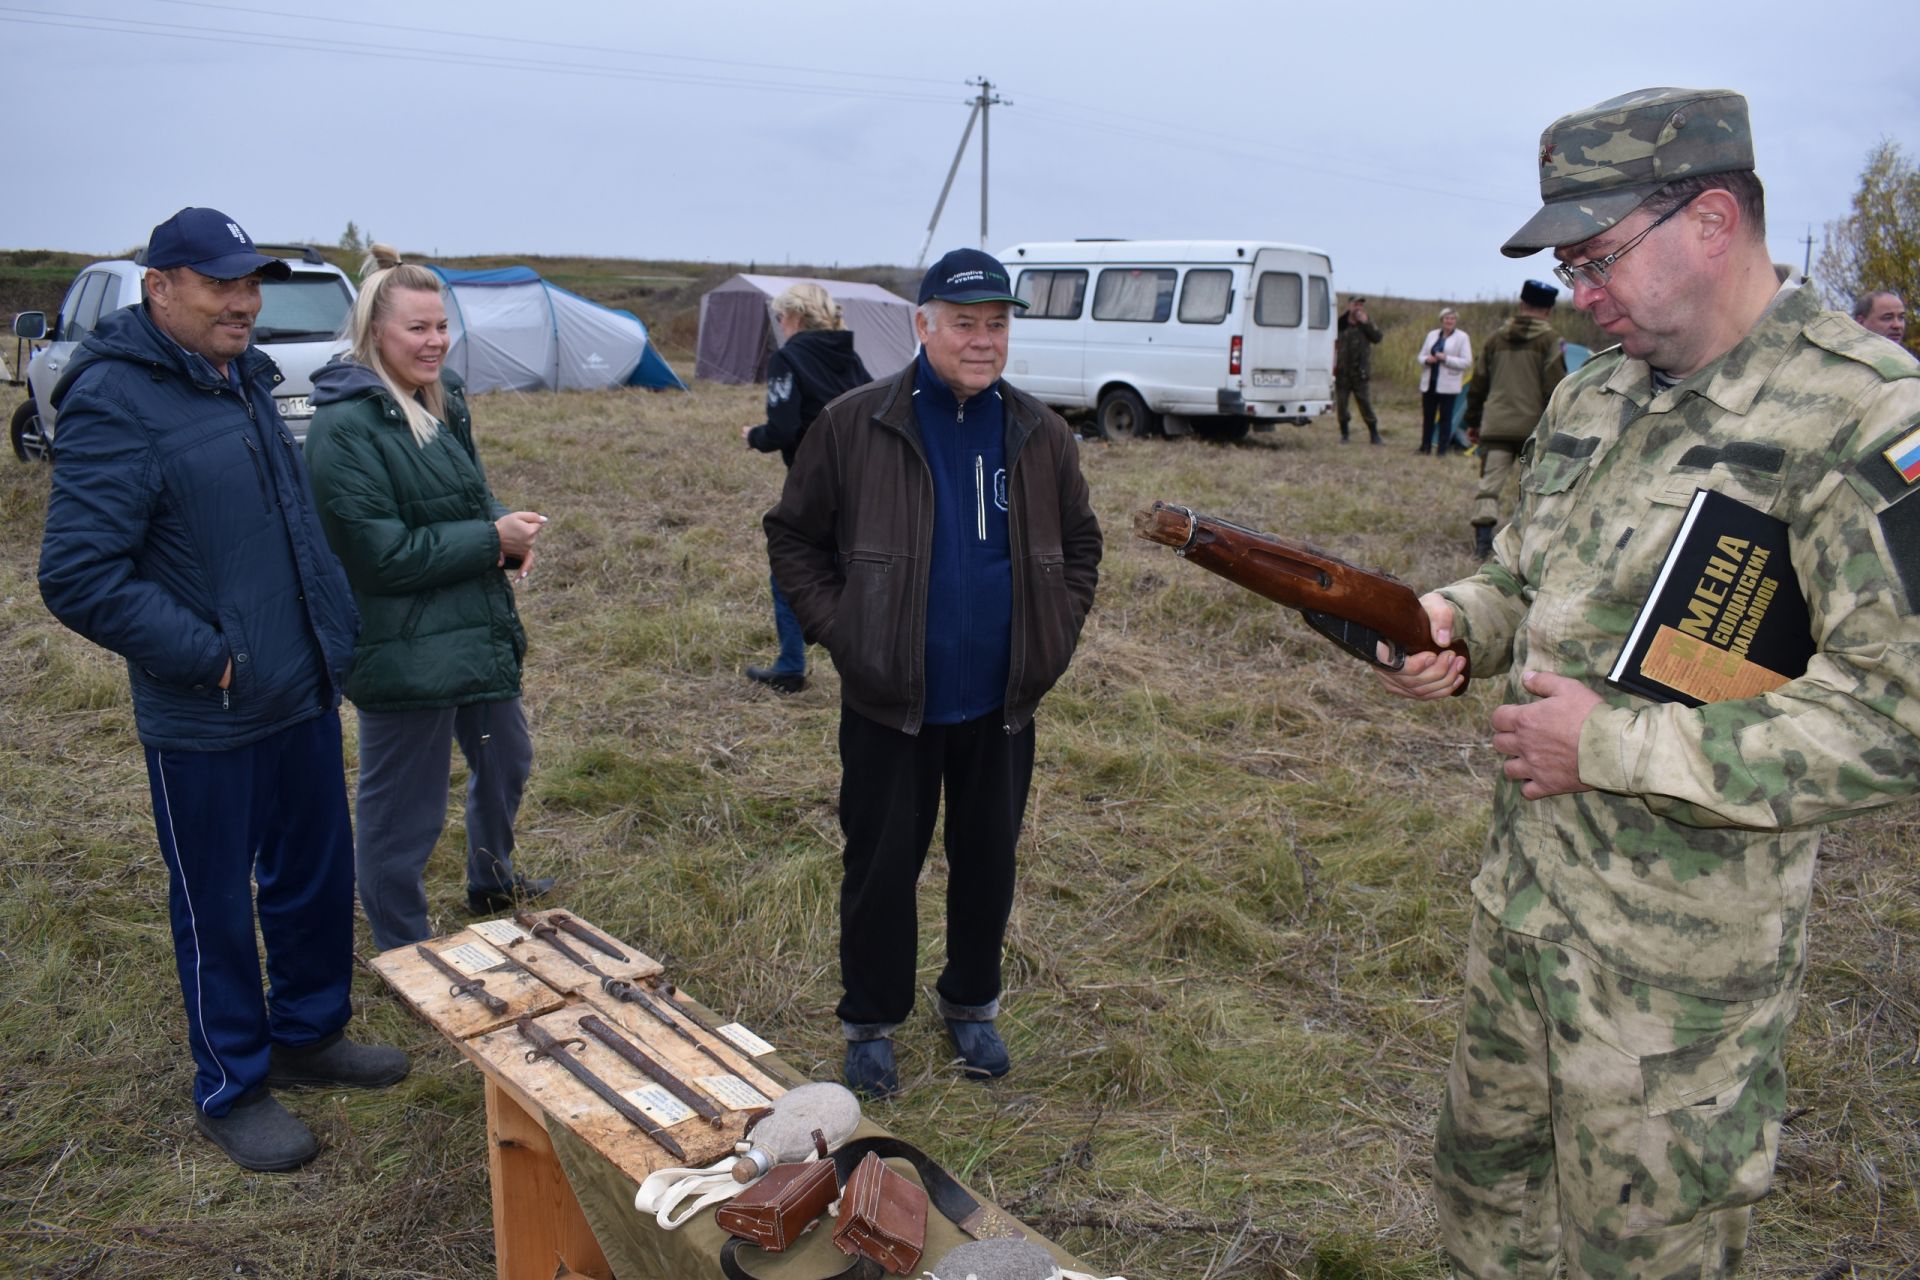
(300, 321)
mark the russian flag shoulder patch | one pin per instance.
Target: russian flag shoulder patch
(1904, 456)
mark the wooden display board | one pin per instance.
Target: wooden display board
(537, 1221)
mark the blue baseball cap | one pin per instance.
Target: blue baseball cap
(211, 243)
(968, 275)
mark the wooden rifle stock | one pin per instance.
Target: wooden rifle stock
(1354, 608)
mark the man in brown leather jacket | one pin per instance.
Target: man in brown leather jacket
(935, 535)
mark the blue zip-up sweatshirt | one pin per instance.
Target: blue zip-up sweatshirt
(970, 578)
(181, 534)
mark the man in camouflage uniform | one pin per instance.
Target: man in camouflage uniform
(1518, 370)
(1356, 337)
(1639, 939)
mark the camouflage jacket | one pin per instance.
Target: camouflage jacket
(1353, 350)
(1691, 865)
(1519, 368)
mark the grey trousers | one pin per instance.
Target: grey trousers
(401, 805)
(1496, 464)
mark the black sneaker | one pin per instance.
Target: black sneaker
(335, 1060)
(982, 1050)
(778, 681)
(523, 889)
(870, 1071)
(258, 1133)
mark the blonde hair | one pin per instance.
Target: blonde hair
(1449, 311)
(370, 311)
(378, 258)
(809, 304)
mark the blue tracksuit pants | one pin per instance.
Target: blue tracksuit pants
(271, 817)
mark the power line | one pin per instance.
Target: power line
(333, 21)
(149, 28)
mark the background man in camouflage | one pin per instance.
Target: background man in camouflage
(1353, 347)
(1639, 939)
(1518, 370)
(1882, 313)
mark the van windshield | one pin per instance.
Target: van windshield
(307, 308)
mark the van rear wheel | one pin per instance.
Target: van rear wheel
(1124, 413)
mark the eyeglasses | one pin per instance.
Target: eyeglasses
(1593, 273)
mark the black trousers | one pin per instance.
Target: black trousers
(890, 788)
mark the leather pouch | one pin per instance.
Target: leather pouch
(883, 1217)
(775, 1210)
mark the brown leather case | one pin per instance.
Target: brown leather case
(883, 1216)
(775, 1210)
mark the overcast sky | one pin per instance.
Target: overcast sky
(1400, 137)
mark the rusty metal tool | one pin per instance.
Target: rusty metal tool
(472, 988)
(637, 1058)
(554, 1048)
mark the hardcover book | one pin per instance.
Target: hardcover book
(1725, 618)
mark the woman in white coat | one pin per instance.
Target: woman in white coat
(1445, 356)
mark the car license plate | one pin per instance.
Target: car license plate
(1273, 377)
(295, 406)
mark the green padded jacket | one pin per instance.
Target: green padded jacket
(414, 529)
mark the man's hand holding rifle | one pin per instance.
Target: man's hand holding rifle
(1409, 640)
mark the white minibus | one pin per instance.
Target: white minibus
(1212, 336)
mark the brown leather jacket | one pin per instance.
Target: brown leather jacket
(851, 546)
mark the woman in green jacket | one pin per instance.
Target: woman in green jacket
(428, 550)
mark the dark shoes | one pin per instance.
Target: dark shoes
(778, 681)
(258, 1133)
(982, 1051)
(1483, 540)
(870, 1071)
(522, 890)
(334, 1060)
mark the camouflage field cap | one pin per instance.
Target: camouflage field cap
(1599, 163)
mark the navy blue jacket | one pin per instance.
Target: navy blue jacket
(181, 534)
(970, 574)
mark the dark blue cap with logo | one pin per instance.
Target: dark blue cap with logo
(968, 275)
(211, 243)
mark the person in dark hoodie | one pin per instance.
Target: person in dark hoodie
(1518, 371)
(816, 363)
(430, 552)
(180, 534)
(935, 534)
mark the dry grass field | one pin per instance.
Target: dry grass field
(1232, 968)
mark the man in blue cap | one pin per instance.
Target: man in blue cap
(181, 534)
(935, 535)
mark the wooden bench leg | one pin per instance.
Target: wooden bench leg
(537, 1223)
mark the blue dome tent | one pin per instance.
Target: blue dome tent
(512, 330)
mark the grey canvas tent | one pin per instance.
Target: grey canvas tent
(737, 335)
(511, 330)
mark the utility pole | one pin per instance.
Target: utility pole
(1807, 270)
(982, 103)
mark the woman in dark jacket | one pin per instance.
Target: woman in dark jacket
(428, 550)
(815, 364)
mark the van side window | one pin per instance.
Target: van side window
(1052, 295)
(1276, 302)
(1319, 303)
(1205, 297)
(1134, 293)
